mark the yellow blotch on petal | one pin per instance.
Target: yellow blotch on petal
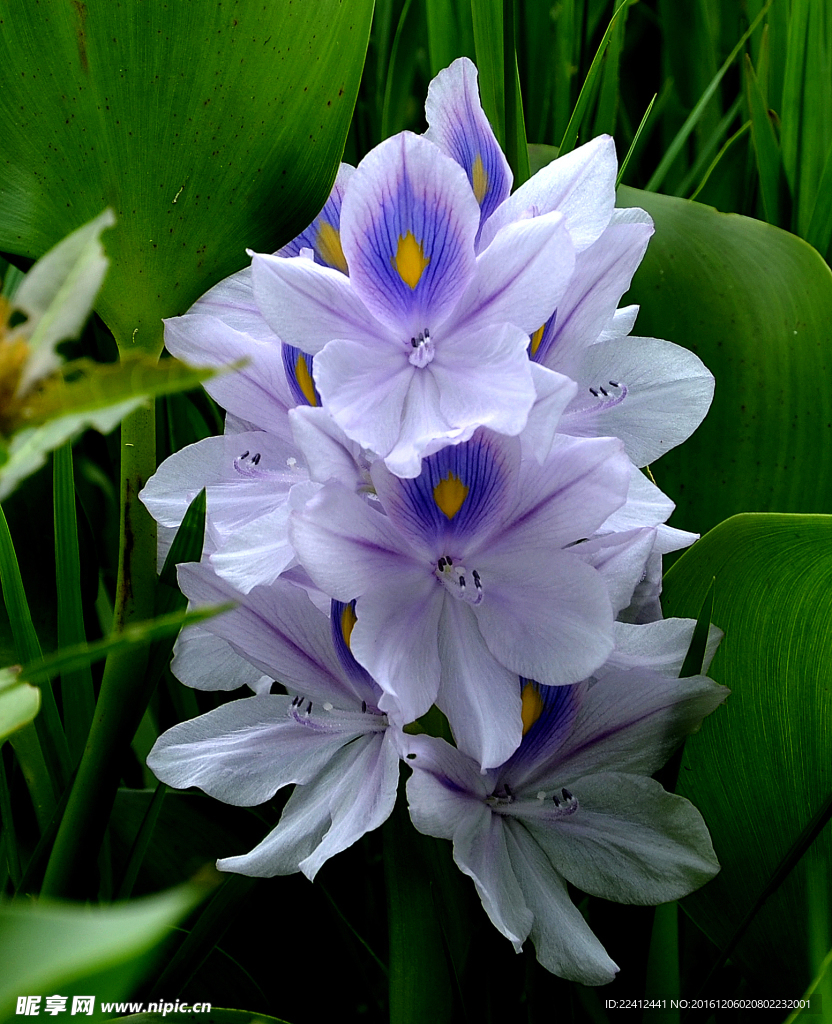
(305, 382)
(479, 179)
(449, 495)
(537, 337)
(532, 707)
(348, 620)
(329, 247)
(410, 260)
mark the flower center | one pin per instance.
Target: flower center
(464, 584)
(423, 350)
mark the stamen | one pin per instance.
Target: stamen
(423, 350)
(602, 398)
(455, 579)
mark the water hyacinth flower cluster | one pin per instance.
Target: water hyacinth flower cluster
(429, 493)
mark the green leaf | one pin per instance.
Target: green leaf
(207, 127)
(19, 702)
(87, 395)
(79, 950)
(499, 80)
(759, 769)
(72, 658)
(675, 147)
(755, 304)
(216, 1016)
(77, 695)
(591, 83)
(766, 147)
(419, 969)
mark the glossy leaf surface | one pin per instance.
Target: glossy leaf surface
(207, 127)
(760, 768)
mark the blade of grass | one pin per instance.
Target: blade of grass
(124, 692)
(398, 79)
(819, 233)
(207, 931)
(565, 66)
(487, 18)
(137, 635)
(9, 833)
(450, 33)
(606, 111)
(634, 143)
(807, 106)
(663, 965)
(766, 147)
(141, 843)
(40, 747)
(738, 134)
(693, 118)
(707, 150)
(517, 150)
(570, 136)
(77, 695)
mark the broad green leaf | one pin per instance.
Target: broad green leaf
(759, 769)
(755, 304)
(216, 1016)
(19, 702)
(206, 127)
(78, 950)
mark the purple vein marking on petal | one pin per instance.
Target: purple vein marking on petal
(602, 737)
(477, 468)
(549, 496)
(301, 652)
(554, 725)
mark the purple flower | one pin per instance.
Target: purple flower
(425, 340)
(328, 736)
(650, 393)
(476, 574)
(575, 804)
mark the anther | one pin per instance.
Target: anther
(363, 706)
(255, 459)
(604, 392)
(566, 794)
(592, 391)
(309, 708)
(614, 383)
(244, 455)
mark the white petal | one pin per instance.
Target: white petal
(629, 841)
(668, 393)
(520, 278)
(257, 392)
(480, 698)
(580, 185)
(207, 662)
(308, 305)
(562, 939)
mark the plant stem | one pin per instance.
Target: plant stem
(124, 689)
